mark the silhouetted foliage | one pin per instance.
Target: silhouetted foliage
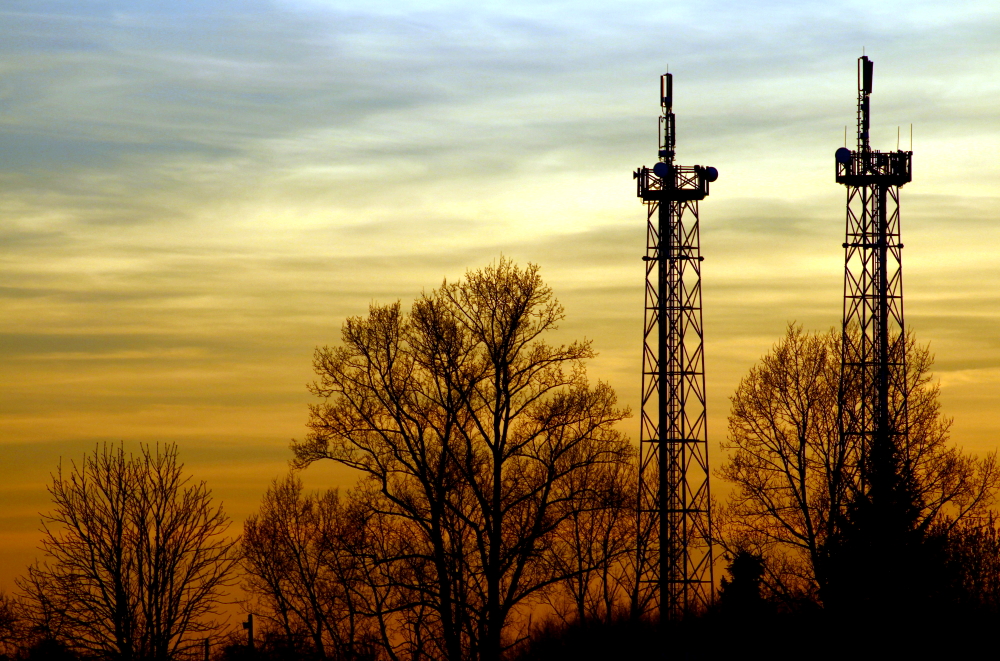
(596, 548)
(967, 565)
(741, 594)
(619, 638)
(304, 562)
(13, 627)
(879, 550)
(796, 499)
(49, 649)
(473, 435)
(709, 636)
(271, 643)
(135, 557)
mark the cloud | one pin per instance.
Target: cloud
(196, 195)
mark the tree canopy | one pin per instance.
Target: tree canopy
(793, 479)
(476, 436)
(135, 557)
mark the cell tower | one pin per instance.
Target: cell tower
(676, 551)
(872, 406)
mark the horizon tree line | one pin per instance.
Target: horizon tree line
(495, 490)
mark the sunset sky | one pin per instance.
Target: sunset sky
(193, 195)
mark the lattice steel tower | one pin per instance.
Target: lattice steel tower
(676, 552)
(873, 424)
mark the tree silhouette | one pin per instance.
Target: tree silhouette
(796, 499)
(12, 623)
(596, 549)
(472, 429)
(741, 594)
(135, 557)
(301, 561)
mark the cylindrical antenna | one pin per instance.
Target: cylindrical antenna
(865, 70)
(667, 132)
(667, 91)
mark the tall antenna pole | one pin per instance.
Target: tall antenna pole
(675, 550)
(872, 399)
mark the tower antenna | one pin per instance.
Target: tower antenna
(675, 524)
(872, 408)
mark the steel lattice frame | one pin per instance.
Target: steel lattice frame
(873, 364)
(675, 551)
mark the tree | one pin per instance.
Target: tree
(135, 557)
(11, 626)
(740, 595)
(597, 549)
(299, 561)
(970, 567)
(471, 427)
(328, 574)
(794, 482)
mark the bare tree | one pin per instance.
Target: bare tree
(472, 427)
(12, 633)
(971, 565)
(793, 479)
(596, 548)
(136, 556)
(300, 561)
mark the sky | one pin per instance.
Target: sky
(194, 195)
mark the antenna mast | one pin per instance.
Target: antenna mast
(675, 529)
(872, 399)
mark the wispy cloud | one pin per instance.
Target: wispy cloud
(193, 195)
